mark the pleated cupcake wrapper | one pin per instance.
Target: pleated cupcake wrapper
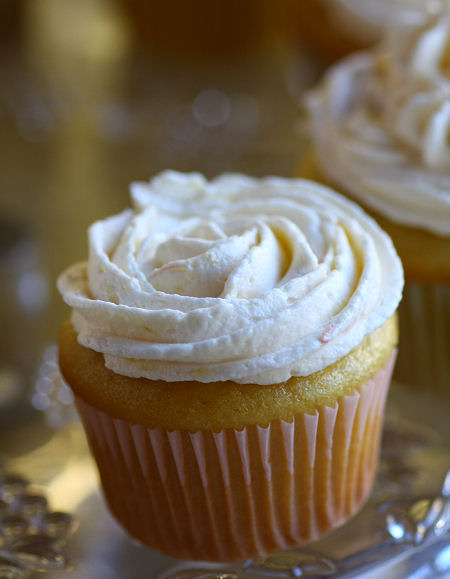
(233, 494)
(423, 361)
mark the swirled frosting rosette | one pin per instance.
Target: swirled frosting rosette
(381, 125)
(239, 279)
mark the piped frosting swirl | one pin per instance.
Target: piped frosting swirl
(239, 279)
(381, 125)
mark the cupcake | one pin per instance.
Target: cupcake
(335, 28)
(230, 348)
(380, 132)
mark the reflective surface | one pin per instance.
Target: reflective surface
(83, 113)
(32, 537)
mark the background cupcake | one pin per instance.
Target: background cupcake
(230, 349)
(380, 132)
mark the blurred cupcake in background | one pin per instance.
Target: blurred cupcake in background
(334, 28)
(380, 132)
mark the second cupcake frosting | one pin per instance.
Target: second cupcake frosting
(237, 279)
(381, 126)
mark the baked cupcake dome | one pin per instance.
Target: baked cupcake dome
(255, 427)
(192, 406)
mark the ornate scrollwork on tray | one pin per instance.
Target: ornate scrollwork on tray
(32, 537)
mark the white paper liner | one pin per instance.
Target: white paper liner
(234, 494)
(424, 352)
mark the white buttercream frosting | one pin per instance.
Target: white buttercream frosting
(239, 279)
(381, 125)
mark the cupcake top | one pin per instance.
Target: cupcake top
(381, 125)
(239, 279)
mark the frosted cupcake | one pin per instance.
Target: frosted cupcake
(230, 349)
(381, 133)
